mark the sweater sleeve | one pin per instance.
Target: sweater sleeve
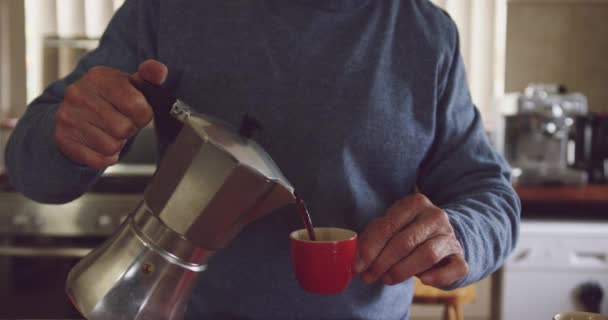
(34, 164)
(467, 178)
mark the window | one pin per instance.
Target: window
(59, 32)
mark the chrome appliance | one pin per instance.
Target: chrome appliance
(212, 181)
(537, 137)
(590, 138)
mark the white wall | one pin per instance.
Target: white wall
(482, 26)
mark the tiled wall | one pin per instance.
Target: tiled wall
(559, 42)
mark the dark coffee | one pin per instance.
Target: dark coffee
(305, 216)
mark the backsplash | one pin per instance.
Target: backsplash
(559, 42)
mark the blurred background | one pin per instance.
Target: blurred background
(537, 71)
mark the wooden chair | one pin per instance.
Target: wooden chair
(453, 301)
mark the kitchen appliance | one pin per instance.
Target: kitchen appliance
(556, 266)
(537, 137)
(590, 137)
(212, 181)
(40, 243)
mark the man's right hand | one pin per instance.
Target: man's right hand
(101, 111)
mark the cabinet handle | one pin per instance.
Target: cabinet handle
(64, 252)
(522, 255)
(588, 258)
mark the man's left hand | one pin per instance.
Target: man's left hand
(414, 238)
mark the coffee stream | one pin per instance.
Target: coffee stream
(305, 216)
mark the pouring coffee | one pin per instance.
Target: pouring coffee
(212, 181)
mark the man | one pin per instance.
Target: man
(364, 104)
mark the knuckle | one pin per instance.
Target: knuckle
(366, 253)
(418, 199)
(460, 271)
(57, 138)
(141, 113)
(397, 275)
(144, 116)
(388, 225)
(74, 96)
(61, 117)
(375, 270)
(72, 93)
(96, 73)
(438, 214)
(136, 108)
(110, 147)
(455, 246)
(122, 130)
(97, 161)
(408, 242)
(135, 101)
(464, 270)
(431, 254)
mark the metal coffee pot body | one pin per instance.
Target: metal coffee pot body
(211, 183)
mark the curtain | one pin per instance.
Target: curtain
(12, 59)
(482, 26)
(50, 26)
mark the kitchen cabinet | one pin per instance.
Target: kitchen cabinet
(562, 250)
(554, 266)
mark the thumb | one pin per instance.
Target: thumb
(152, 71)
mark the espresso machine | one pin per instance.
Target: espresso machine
(590, 137)
(538, 136)
(212, 181)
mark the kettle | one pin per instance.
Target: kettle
(212, 181)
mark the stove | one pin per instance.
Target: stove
(40, 243)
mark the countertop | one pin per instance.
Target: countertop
(588, 202)
(564, 194)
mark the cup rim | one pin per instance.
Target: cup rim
(352, 235)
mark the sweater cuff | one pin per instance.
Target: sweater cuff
(456, 225)
(43, 173)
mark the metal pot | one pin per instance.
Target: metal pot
(212, 181)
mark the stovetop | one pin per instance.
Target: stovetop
(94, 214)
(97, 213)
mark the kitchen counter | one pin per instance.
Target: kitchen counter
(589, 202)
(564, 194)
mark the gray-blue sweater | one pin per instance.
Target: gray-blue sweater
(361, 101)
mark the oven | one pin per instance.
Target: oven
(557, 266)
(40, 243)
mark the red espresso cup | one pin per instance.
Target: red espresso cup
(324, 266)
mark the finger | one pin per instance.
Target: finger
(100, 141)
(82, 154)
(99, 112)
(427, 225)
(153, 71)
(423, 258)
(381, 230)
(115, 87)
(452, 269)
